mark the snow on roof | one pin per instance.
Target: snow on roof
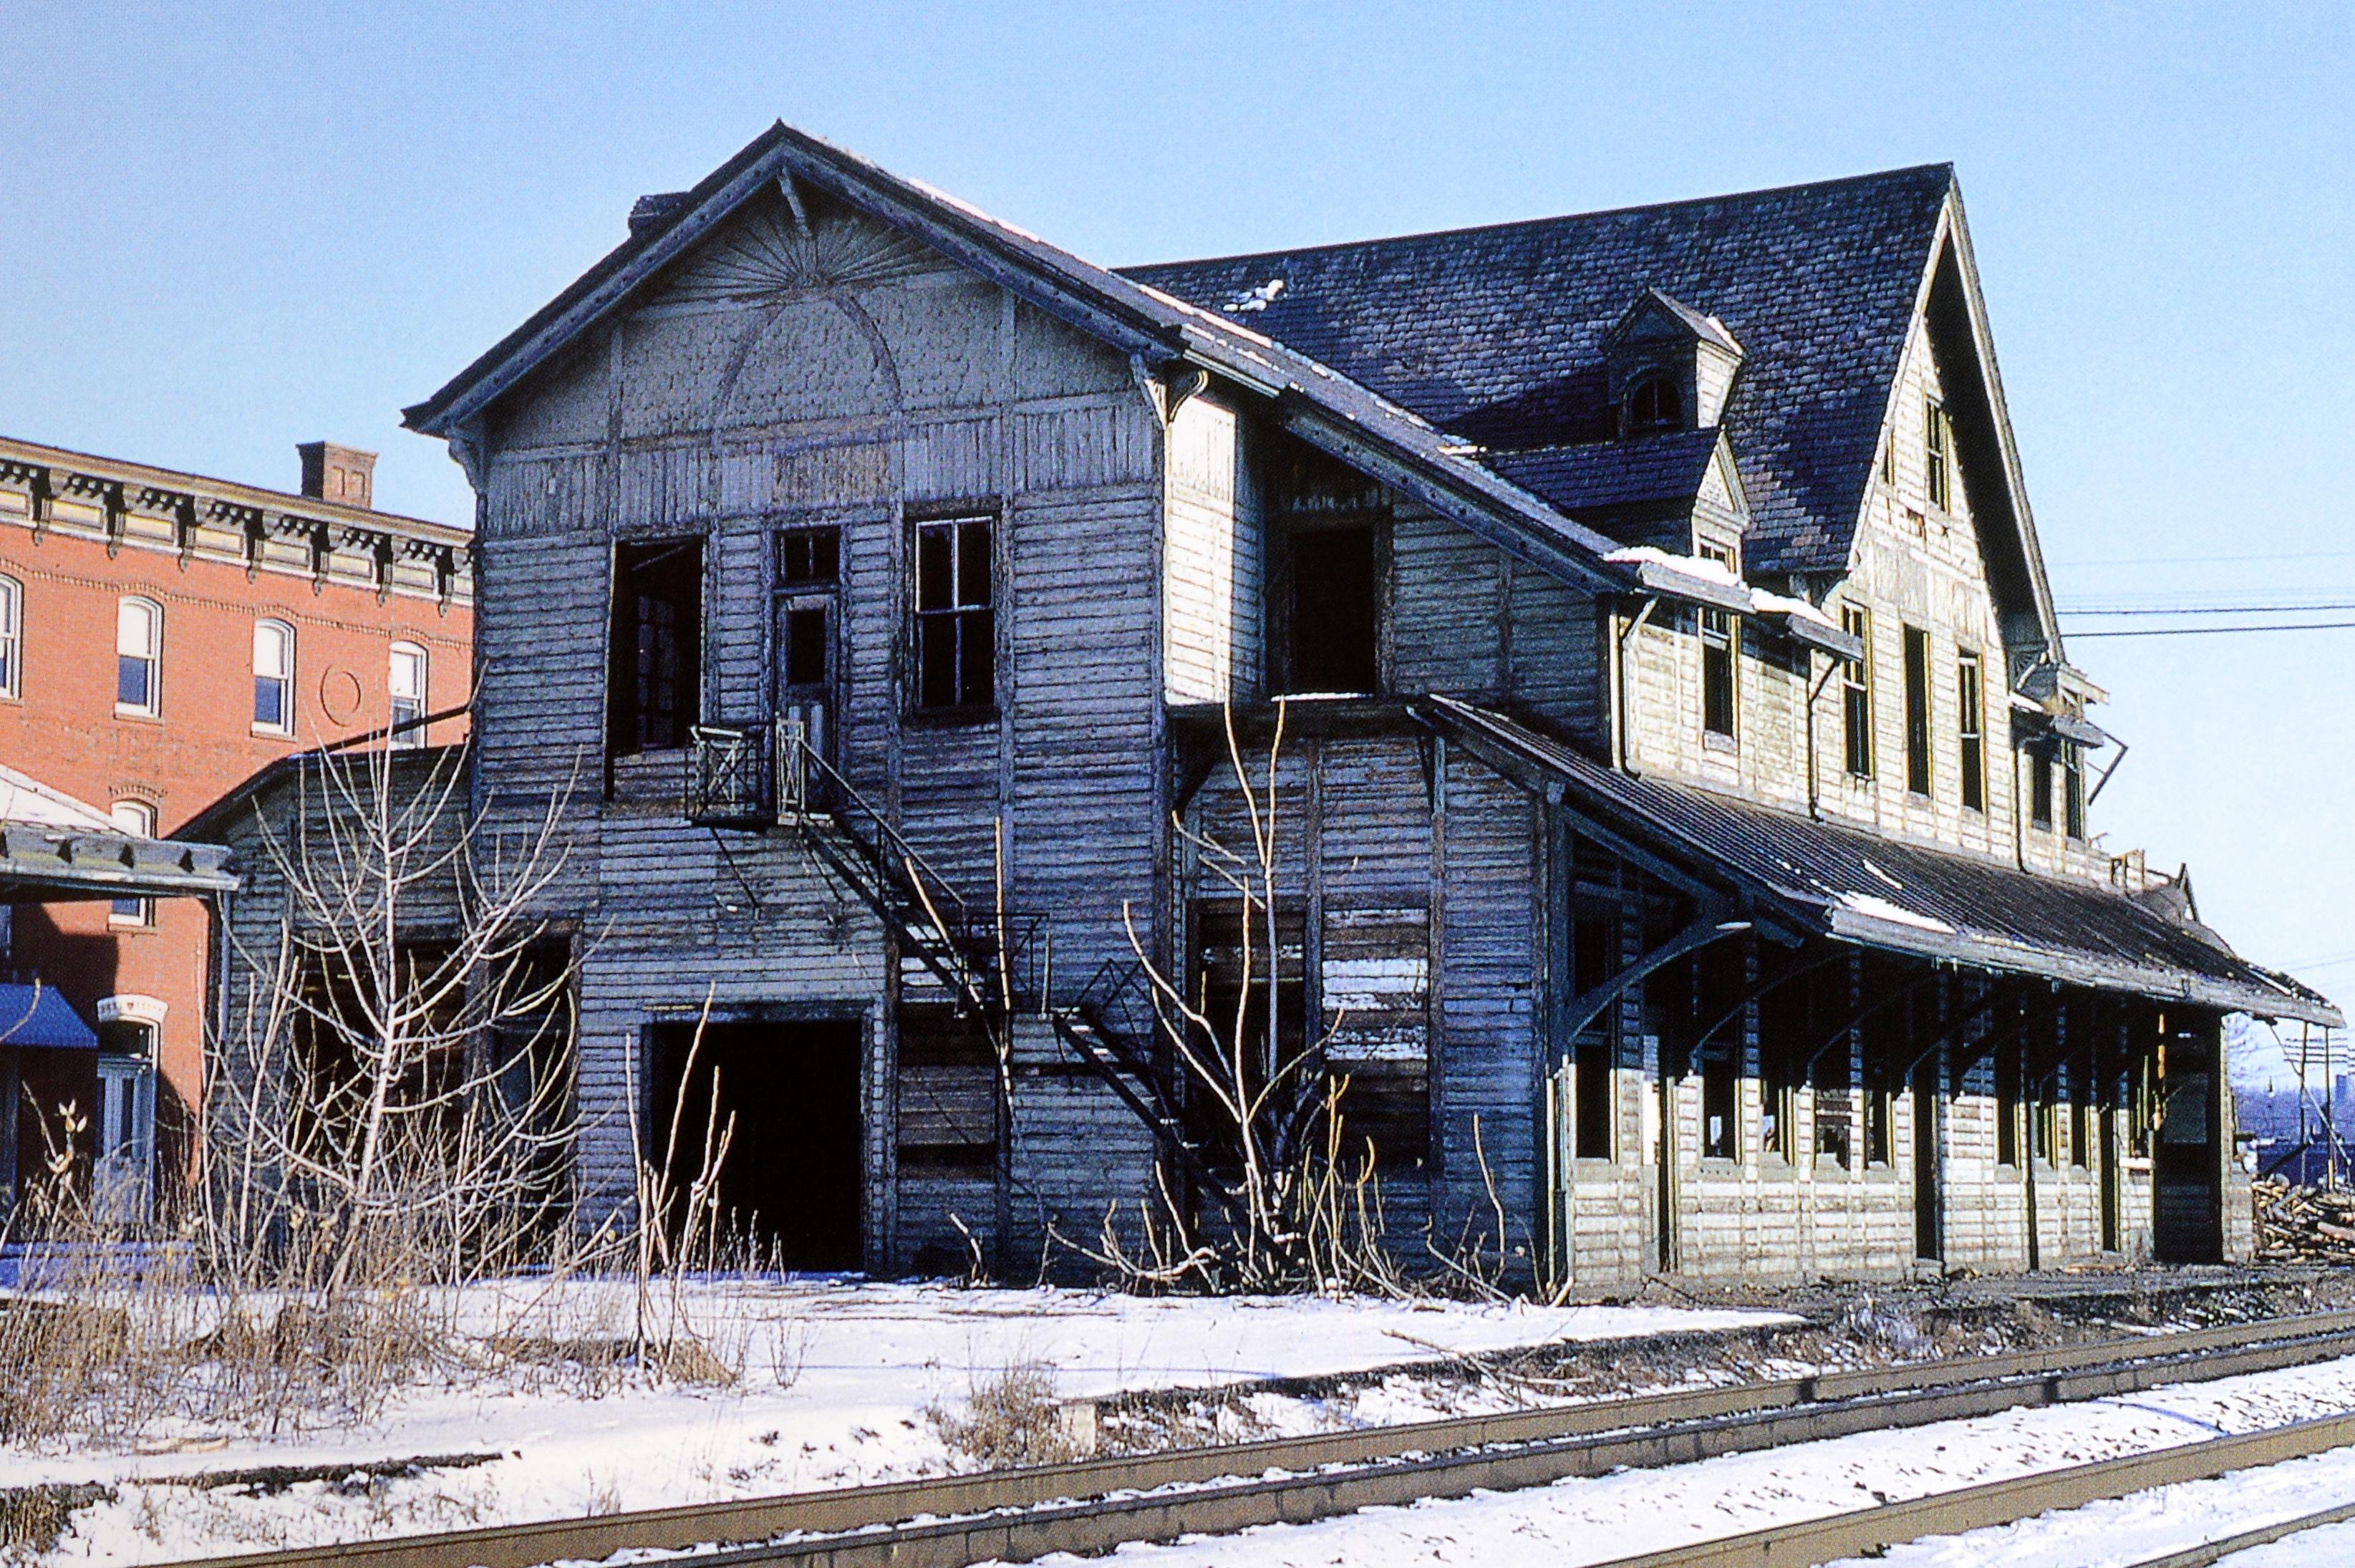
(25, 800)
(1783, 605)
(1699, 566)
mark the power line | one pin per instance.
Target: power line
(2212, 559)
(2210, 609)
(2218, 630)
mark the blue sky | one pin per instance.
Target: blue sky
(232, 228)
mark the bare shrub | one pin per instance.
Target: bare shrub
(1011, 1416)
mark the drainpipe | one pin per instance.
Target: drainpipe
(1814, 768)
(1621, 699)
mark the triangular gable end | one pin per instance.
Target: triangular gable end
(1161, 335)
(1950, 302)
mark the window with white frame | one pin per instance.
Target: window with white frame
(138, 818)
(11, 610)
(407, 685)
(273, 678)
(138, 656)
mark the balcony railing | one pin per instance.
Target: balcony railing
(730, 776)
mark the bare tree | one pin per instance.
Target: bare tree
(1273, 1193)
(393, 1095)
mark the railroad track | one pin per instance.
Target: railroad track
(1095, 1505)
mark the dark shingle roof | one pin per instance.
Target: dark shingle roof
(1859, 886)
(1600, 475)
(1496, 334)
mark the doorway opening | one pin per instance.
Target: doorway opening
(786, 1095)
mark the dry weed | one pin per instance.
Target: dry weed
(1012, 1416)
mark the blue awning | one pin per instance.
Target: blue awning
(38, 1015)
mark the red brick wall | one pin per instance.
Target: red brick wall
(62, 729)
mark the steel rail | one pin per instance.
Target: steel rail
(2212, 1552)
(1871, 1531)
(1095, 1505)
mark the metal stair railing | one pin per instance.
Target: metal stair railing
(1106, 1024)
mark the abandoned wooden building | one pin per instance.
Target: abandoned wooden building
(1683, 835)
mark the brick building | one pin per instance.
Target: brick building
(163, 638)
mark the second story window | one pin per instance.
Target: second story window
(273, 678)
(1971, 730)
(2072, 788)
(1917, 710)
(1856, 693)
(1938, 453)
(1721, 644)
(138, 656)
(2040, 787)
(137, 818)
(1333, 615)
(956, 625)
(654, 688)
(11, 610)
(405, 678)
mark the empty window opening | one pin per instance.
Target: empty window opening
(2084, 1122)
(785, 1096)
(138, 649)
(11, 610)
(1971, 730)
(807, 638)
(956, 636)
(2040, 786)
(1856, 693)
(1938, 446)
(809, 558)
(1232, 972)
(1656, 403)
(137, 818)
(1720, 975)
(1879, 1115)
(1783, 1048)
(2008, 1097)
(654, 688)
(405, 680)
(1917, 710)
(1335, 621)
(1595, 960)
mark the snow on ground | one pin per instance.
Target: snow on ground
(1633, 1512)
(836, 1380)
(2163, 1520)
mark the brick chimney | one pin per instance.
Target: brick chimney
(333, 472)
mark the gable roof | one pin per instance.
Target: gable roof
(1653, 305)
(1496, 334)
(1323, 407)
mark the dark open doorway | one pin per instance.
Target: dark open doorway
(793, 1178)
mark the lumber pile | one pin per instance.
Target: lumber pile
(2302, 1224)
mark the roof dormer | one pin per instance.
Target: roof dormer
(1671, 368)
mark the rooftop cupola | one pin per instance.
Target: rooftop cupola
(1671, 368)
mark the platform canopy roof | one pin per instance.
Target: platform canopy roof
(1805, 877)
(57, 849)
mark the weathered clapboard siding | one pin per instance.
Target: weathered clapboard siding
(1212, 568)
(1445, 608)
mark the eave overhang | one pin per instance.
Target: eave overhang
(1785, 868)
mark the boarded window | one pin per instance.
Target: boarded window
(1856, 693)
(1334, 624)
(956, 626)
(1374, 977)
(654, 688)
(1971, 730)
(1917, 710)
(948, 1091)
